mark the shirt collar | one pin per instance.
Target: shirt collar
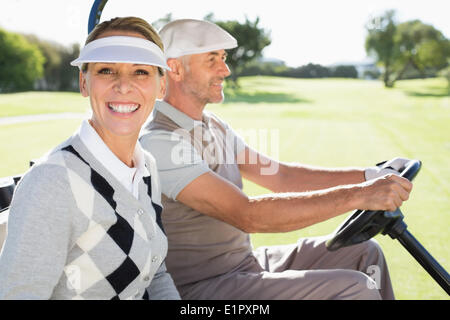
(139, 160)
(117, 168)
(180, 118)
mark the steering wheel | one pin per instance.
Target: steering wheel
(362, 225)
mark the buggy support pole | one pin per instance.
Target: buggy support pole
(95, 14)
(425, 259)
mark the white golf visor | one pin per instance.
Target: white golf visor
(120, 49)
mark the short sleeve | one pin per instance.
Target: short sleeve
(178, 162)
(239, 142)
(236, 139)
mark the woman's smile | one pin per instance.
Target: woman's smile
(123, 107)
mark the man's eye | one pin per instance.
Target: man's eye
(142, 72)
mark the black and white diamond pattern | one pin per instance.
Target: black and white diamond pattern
(97, 242)
(156, 207)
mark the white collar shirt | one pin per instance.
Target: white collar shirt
(128, 177)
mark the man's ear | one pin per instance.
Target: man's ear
(83, 84)
(176, 72)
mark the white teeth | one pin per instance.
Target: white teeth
(123, 108)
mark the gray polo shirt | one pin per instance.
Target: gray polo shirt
(200, 247)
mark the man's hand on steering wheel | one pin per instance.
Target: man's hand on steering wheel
(377, 197)
(394, 166)
(385, 193)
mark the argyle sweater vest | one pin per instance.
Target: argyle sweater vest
(75, 232)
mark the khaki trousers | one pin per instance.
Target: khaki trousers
(305, 270)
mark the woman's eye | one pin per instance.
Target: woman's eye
(105, 71)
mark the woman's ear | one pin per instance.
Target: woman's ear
(83, 84)
(162, 87)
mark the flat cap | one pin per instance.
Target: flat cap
(188, 36)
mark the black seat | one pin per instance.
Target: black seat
(7, 186)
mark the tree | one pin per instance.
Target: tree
(446, 74)
(68, 74)
(251, 41)
(159, 23)
(344, 71)
(21, 63)
(420, 46)
(310, 70)
(400, 47)
(58, 75)
(381, 44)
(262, 67)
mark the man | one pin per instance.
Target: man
(208, 218)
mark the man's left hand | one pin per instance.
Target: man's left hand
(392, 166)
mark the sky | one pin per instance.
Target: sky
(316, 31)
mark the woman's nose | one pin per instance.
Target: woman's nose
(123, 84)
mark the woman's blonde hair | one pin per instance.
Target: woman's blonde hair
(132, 24)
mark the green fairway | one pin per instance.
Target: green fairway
(16, 104)
(330, 122)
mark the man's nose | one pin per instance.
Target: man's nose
(224, 69)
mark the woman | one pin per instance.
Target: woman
(85, 222)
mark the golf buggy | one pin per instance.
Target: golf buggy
(360, 226)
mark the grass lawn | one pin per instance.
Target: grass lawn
(16, 104)
(330, 122)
